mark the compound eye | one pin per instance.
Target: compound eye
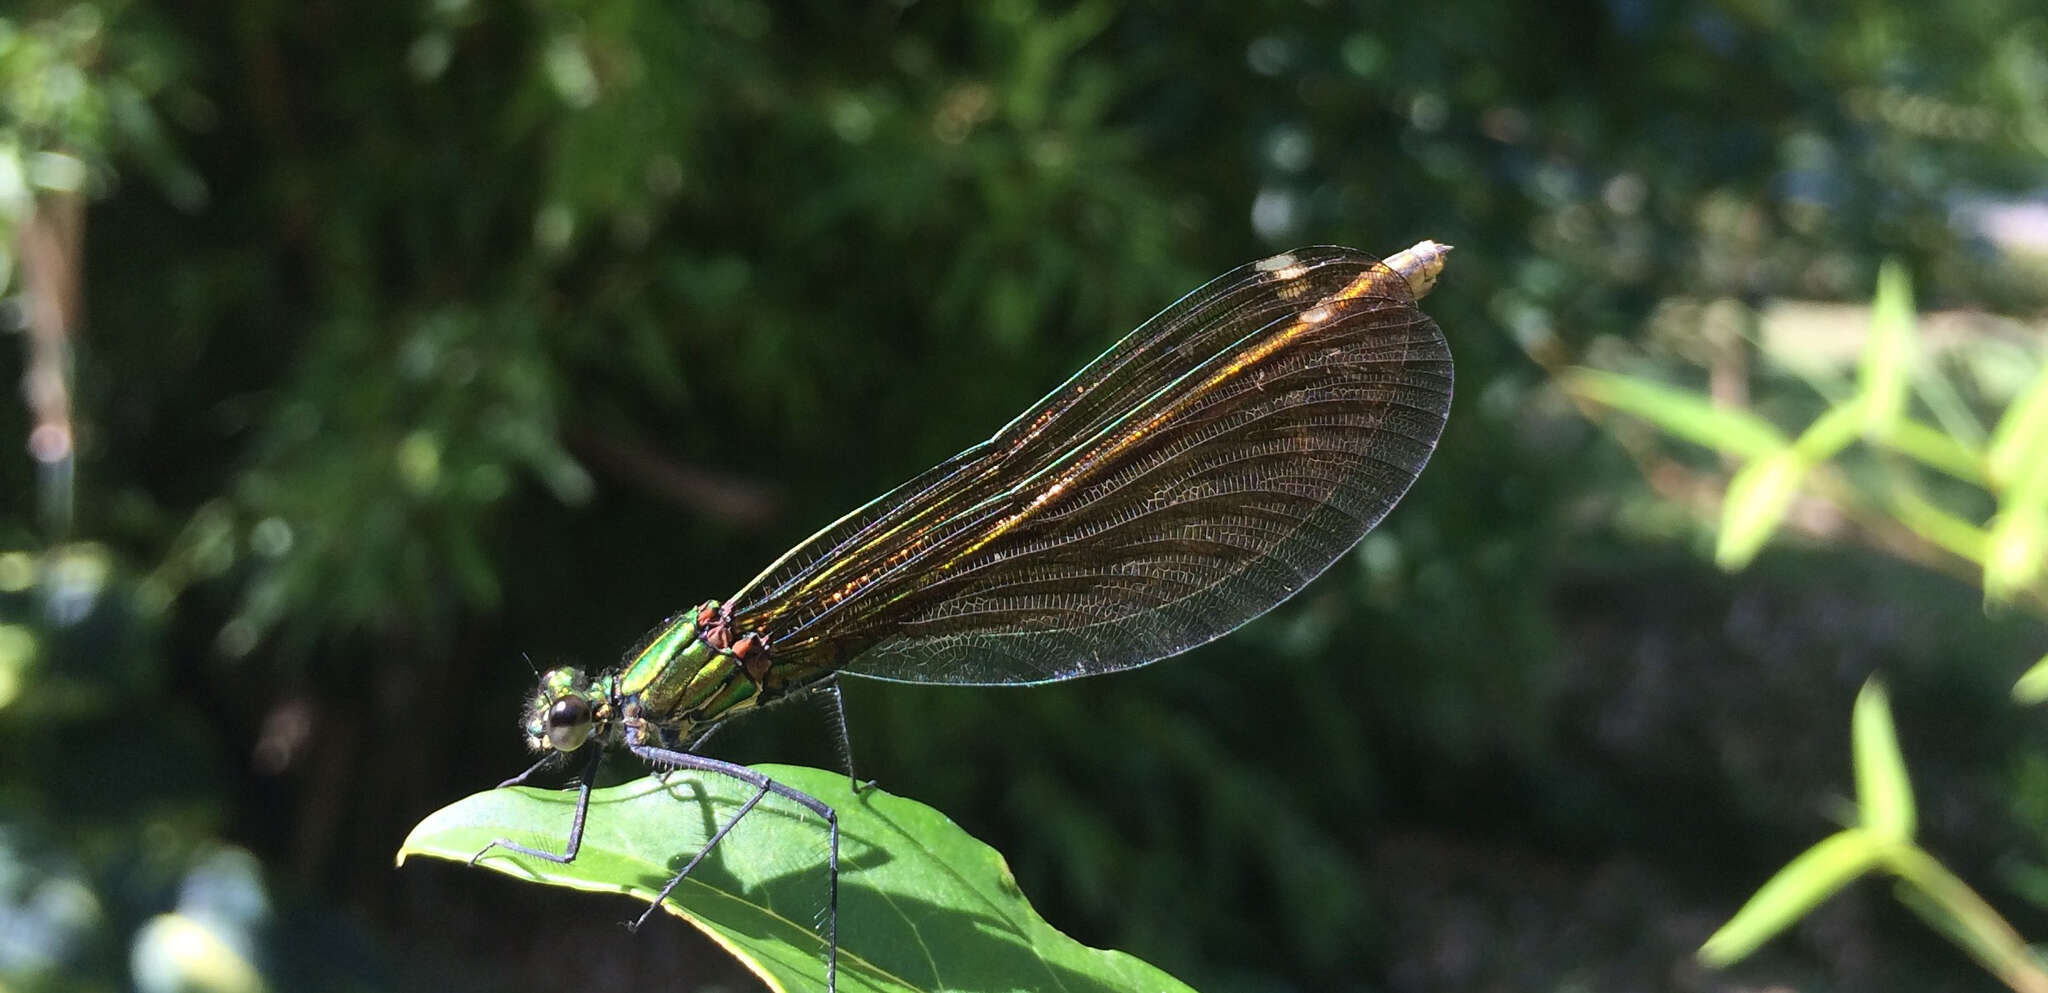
(568, 723)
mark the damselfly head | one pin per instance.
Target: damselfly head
(563, 711)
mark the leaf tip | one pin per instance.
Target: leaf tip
(1884, 793)
(2032, 686)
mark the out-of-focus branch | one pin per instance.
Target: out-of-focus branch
(51, 243)
(731, 499)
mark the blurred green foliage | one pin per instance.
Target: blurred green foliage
(417, 336)
(1880, 841)
(1898, 493)
(1901, 488)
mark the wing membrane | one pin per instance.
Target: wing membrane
(1145, 361)
(1196, 474)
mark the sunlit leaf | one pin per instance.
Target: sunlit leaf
(1818, 873)
(1757, 499)
(1832, 431)
(1953, 908)
(1888, 355)
(1884, 796)
(2032, 687)
(2016, 553)
(2016, 558)
(922, 905)
(1934, 387)
(176, 951)
(1957, 536)
(1937, 450)
(2019, 443)
(1681, 413)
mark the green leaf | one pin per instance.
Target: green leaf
(1833, 431)
(1959, 537)
(2019, 444)
(1937, 450)
(1757, 499)
(1884, 796)
(1955, 910)
(1935, 388)
(1800, 886)
(2033, 685)
(922, 905)
(2016, 553)
(1888, 355)
(1681, 413)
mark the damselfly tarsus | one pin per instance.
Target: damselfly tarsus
(1192, 477)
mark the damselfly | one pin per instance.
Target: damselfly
(1202, 470)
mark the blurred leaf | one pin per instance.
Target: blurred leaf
(1833, 431)
(2032, 686)
(1951, 907)
(2016, 553)
(2017, 557)
(922, 905)
(1797, 888)
(1757, 499)
(1884, 796)
(2019, 444)
(1883, 839)
(1762, 491)
(1687, 415)
(1958, 423)
(1959, 537)
(179, 952)
(1936, 450)
(1888, 355)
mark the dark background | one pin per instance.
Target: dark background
(415, 342)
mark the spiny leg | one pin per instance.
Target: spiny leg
(692, 746)
(763, 786)
(730, 823)
(568, 853)
(696, 744)
(838, 717)
(530, 770)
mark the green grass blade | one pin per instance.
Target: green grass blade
(1945, 404)
(923, 906)
(1888, 355)
(1800, 886)
(1832, 431)
(2017, 557)
(1936, 450)
(2020, 441)
(1758, 497)
(1953, 534)
(1884, 796)
(1951, 907)
(1680, 413)
(2016, 552)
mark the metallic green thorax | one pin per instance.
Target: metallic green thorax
(691, 671)
(679, 678)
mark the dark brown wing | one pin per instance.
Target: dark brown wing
(1189, 479)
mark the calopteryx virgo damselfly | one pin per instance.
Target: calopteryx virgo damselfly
(1198, 473)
